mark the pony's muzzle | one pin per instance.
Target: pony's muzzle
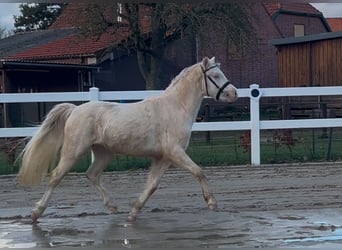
(230, 94)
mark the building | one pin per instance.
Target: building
(335, 23)
(311, 61)
(62, 59)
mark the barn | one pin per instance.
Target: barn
(310, 61)
(313, 60)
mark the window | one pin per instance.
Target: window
(299, 30)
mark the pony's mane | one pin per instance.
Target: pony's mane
(181, 76)
(184, 73)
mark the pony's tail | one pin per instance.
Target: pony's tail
(40, 154)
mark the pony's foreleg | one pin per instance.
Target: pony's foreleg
(101, 159)
(157, 170)
(179, 158)
(57, 175)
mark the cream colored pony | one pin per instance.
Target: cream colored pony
(157, 127)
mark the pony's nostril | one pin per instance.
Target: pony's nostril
(234, 94)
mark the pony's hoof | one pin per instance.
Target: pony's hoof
(34, 218)
(131, 218)
(113, 209)
(213, 207)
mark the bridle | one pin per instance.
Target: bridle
(220, 89)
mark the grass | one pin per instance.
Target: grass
(226, 148)
(310, 145)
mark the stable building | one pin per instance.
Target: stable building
(311, 61)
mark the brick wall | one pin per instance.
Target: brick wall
(256, 65)
(286, 22)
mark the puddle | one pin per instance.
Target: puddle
(174, 229)
(331, 233)
(291, 217)
(65, 242)
(176, 216)
(6, 241)
(10, 233)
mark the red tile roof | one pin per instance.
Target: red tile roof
(71, 17)
(78, 14)
(67, 48)
(72, 46)
(335, 23)
(76, 46)
(273, 8)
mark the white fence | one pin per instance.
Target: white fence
(254, 125)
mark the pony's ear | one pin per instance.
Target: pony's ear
(212, 60)
(206, 62)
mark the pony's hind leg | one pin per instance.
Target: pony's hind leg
(71, 152)
(101, 158)
(157, 170)
(63, 167)
(179, 158)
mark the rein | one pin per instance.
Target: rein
(220, 89)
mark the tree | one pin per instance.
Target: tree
(37, 16)
(152, 25)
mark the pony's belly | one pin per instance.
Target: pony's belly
(133, 145)
(131, 151)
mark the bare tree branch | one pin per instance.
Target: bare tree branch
(151, 26)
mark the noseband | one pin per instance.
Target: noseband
(220, 89)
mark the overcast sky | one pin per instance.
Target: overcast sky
(7, 10)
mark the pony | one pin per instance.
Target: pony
(157, 127)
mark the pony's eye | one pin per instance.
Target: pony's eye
(215, 75)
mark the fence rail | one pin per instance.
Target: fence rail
(253, 92)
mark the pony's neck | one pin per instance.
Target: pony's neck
(187, 89)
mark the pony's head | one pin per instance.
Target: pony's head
(216, 83)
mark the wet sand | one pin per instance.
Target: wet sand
(269, 206)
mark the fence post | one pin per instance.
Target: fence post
(255, 95)
(94, 94)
